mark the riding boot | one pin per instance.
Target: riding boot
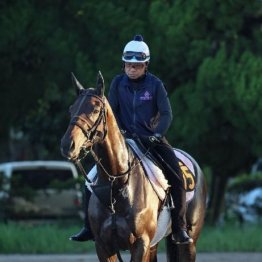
(85, 233)
(178, 215)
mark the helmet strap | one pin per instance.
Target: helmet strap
(147, 63)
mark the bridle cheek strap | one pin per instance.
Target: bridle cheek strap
(93, 133)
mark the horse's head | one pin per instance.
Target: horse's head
(87, 124)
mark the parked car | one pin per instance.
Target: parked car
(39, 189)
(250, 205)
(245, 207)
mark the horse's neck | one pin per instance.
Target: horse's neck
(113, 151)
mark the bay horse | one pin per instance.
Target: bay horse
(129, 220)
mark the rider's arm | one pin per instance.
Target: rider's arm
(113, 99)
(164, 109)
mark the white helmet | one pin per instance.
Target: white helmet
(136, 51)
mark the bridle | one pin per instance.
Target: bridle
(92, 134)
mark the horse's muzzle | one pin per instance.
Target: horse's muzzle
(67, 148)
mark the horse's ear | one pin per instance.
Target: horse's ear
(76, 84)
(100, 85)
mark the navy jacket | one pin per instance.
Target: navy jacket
(137, 104)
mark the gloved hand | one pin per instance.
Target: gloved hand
(122, 131)
(155, 139)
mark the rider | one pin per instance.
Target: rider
(142, 109)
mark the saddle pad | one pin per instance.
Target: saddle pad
(92, 175)
(163, 226)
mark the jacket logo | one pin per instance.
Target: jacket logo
(146, 96)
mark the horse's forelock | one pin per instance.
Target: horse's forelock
(91, 91)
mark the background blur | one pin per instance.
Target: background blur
(208, 54)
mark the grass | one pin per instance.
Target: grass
(53, 238)
(40, 239)
(231, 238)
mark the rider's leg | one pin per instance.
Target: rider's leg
(178, 214)
(85, 234)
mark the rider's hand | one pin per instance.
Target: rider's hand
(122, 131)
(155, 139)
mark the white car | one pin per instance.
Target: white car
(250, 205)
(39, 189)
(245, 207)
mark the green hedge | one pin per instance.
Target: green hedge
(245, 183)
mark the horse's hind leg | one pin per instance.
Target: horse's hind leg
(180, 253)
(187, 253)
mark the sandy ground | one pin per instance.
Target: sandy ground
(201, 257)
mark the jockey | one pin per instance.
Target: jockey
(142, 109)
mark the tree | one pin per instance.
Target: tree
(216, 109)
(44, 42)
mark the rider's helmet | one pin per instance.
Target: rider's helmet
(136, 51)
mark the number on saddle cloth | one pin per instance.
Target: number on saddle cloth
(188, 171)
(188, 177)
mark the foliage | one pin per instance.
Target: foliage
(217, 110)
(245, 183)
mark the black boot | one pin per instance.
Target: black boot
(178, 215)
(85, 233)
(181, 237)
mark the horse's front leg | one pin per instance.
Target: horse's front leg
(103, 254)
(140, 250)
(153, 253)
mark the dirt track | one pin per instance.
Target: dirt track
(202, 257)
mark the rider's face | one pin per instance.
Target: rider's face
(135, 70)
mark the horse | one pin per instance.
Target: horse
(126, 217)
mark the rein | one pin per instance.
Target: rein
(98, 161)
(112, 178)
(78, 163)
